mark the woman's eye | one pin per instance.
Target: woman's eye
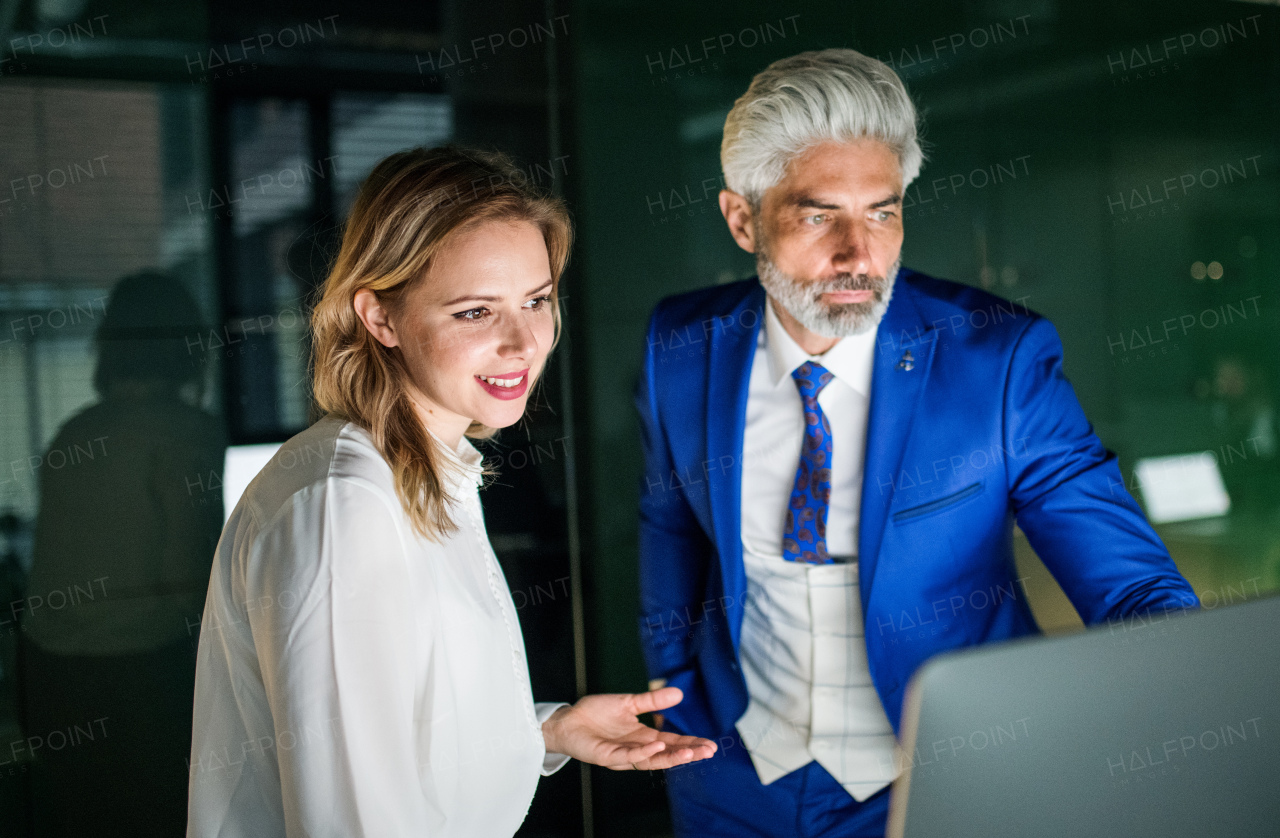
(538, 302)
(472, 314)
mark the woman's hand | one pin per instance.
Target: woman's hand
(604, 730)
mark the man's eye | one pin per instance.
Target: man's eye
(883, 215)
(538, 302)
(472, 314)
(815, 220)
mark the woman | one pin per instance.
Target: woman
(361, 670)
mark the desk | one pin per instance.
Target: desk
(1226, 560)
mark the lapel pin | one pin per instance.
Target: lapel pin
(908, 361)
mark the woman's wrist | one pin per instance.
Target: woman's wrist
(551, 731)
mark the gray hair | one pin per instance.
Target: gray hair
(806, 99)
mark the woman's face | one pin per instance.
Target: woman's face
(474, 332)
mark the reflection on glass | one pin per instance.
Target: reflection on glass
(124, 537)
(100, 563)
(274, 180)
(368, 127)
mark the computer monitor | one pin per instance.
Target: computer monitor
(1167, 725)
(241, 465)
(1182, 488)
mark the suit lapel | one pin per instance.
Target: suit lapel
(729, 371)
(895, 396)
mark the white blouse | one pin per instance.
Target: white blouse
(353, 677)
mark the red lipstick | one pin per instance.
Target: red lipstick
(505, 390)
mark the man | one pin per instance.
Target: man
(835, 455)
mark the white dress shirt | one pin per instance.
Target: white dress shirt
(354, 678)
(802, 649)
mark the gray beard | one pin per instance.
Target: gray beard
(802, 298)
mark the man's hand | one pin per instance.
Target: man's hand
(604, 730)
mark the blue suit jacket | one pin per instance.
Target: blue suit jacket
(976, 429)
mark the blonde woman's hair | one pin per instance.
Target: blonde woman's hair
(409, 207)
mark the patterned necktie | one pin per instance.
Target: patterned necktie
(804, 534)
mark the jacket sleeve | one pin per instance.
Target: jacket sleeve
(1070, 498)
(675, 552)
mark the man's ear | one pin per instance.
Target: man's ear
(373, 314)
(737, 214)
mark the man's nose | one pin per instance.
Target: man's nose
(853, 249)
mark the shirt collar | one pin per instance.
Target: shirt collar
(849, 360)
(464, 466)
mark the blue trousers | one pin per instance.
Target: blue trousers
(723, 796)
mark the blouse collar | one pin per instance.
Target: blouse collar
(466, 461)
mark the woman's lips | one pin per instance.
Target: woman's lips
(842, 297)
(505, 386)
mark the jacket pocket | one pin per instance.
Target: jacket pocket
(937, 505)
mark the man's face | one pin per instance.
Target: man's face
(828, 236)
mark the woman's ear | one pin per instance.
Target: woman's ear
(373, 314)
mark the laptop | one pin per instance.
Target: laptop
(1167, 725)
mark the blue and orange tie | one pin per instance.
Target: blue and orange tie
(804, 534)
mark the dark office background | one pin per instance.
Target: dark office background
(1112, 165)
